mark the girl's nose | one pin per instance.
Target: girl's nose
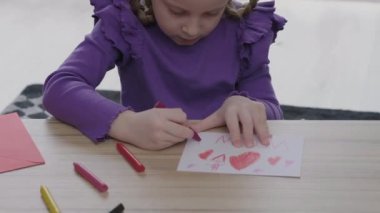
(192, 29)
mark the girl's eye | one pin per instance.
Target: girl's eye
(178, 13)
(212, 14)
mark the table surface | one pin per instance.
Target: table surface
(340, 173)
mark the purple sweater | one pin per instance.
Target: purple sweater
(232, 59)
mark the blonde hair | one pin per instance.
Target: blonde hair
(145, 12)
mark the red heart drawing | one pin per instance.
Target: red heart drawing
(204, 155)
(273, 160)
(244, 160)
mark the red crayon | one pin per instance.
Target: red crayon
(128, 156)
(159, 104)
(86, 174)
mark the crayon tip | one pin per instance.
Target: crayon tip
(196, 136)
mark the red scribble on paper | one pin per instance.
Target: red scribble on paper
(223, 139)
(288, 163)
(204, 155)
(215, 166)
(219, 158)
(274, 160)
(244, 160)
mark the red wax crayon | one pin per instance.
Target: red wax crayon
(128, 156)
(86, 174)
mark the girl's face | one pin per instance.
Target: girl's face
(187, 21)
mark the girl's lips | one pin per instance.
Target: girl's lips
(183, 41)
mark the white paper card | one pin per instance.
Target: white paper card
(216, 154)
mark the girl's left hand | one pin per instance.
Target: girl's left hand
(243, 118)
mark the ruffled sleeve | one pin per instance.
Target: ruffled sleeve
(120, 26)
(257, 31)
(69, 92)
(255, 26)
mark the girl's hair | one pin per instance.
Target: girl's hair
(145, 12)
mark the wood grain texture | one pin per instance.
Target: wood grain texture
(340, 173)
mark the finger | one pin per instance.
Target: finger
(232, 123)
(246, 121)
(164, 139)
(261, 129)
(212, 121)
(178, 131)
(165, 144)
(160, 140)
(176, 115)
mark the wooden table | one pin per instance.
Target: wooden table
(340, 173)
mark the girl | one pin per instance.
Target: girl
(204, 59)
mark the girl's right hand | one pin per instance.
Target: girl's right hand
(152, 129)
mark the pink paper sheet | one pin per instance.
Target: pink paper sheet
(17, 149)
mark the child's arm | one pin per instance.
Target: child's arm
(255, 83)
(247, 111)
(70, 96)
(69, 92)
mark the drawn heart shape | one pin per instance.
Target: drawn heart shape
(204, 155)
(244, 160)
(273, 160)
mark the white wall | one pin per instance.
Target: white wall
(36, 36)
(326, 57)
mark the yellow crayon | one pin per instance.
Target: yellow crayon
(48, 199)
